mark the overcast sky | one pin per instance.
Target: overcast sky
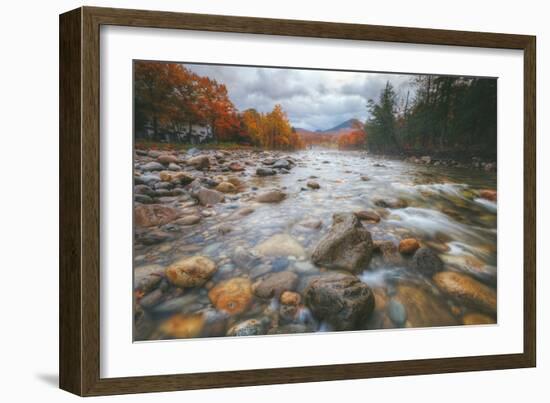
(313, 99)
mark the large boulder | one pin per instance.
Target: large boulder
(347, 246)
(191, 272)
(340, 299)
(154, 214)
(464, 289)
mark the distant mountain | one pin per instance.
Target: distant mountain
(343, 127)
(328, 135)
(348, 124)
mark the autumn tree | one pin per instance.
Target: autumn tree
(153, 89)
(354, 138)
(170, 98)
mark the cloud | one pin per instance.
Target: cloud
(313, 99)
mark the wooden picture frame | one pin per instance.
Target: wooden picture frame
(80, 186)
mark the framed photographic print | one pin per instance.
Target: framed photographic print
(250, 201)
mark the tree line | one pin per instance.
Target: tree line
(442, 115)
(170, 100)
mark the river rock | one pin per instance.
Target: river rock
(265, 172)
(182, 326)
(144, 199)
(152, 237)
(243, 257)
(396, 312)
(340, 299)
(272, 196)
(313, 185)
(488, 194)
(246, 211)
(226, 187)
(154, 214)
(290, 298)
(251, 327)
(199, 162)
(282, 163)
(423, 309)
(144, 190)
(408, 246)
(147, 277)
(154, 153)
(280, 245)
(209, 197)
(368, 216)
(390, 203)
(475, 318)
(174, 167)
(232, 296)
(274, 284)
(235, 166)
(280, 263)
(426, 159)
(467, 291)
(189, 220)
(473, 266)
(180, 177)
(311, 223)
(191, 272)
(151, 299)
(426, 261)
(365, 178)
(152, 166)
(269, 161)
(167, 159)
(143, 324)
(389, 252)
(347, 246)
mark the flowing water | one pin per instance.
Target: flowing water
(439, 206)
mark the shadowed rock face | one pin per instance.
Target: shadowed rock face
(427, 262)
(340, 299)
(347, 246)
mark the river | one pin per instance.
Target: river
(436, 205)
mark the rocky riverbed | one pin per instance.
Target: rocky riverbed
(243, 242)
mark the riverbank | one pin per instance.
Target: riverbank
(248, 242)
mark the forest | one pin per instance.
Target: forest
(170, 102)
(436, 115)
(445, 115)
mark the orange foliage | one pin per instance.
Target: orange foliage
(353, 139)
(172, 98)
